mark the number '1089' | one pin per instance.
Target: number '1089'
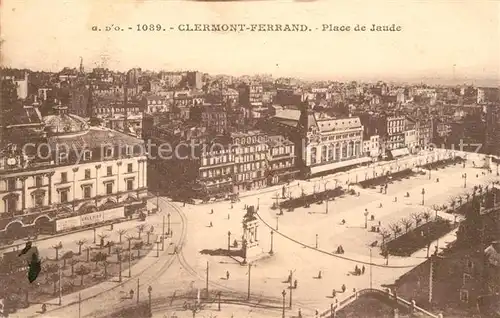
(149, 27)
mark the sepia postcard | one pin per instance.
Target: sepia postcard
(264, 158)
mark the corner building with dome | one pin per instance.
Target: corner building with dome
(58, 173)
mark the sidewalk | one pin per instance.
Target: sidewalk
(145, 270)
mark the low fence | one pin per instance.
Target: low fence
(410, 305)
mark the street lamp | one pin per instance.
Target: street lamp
(316, 240)
(277, 219)
(283, 293)
(423, 196)
(366, 218)
(258, 203)
(228, 241)
(326, 206)
(168, 224)
(150, 289)
(464, 176)
(271, 252)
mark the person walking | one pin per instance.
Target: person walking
(343, 288)
(363, 269)
(227, 275)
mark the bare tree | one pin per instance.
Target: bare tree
(102, 237)
(140, 229)
(395, 228)
(426, 215)
(129, 239)
(417, 217)
(385, 234)
(120, 234)
(57, 248)
(82, 271)
(80, 244)
(72, 263)
(407, 222)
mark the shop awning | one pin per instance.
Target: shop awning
(340, 164)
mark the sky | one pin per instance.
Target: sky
(439, 39)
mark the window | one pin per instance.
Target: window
(38, 200)
(38, 181)
(64, 177)
(464, 295)
(109, 152)
(130, 184)
(129, 167)
(87, 174)
(87, 192)
(109, 170)
(11, 204)
(64, 196)
(11, 184)
(87, 155)
(109, 188)
(466, 278)
(63, 157)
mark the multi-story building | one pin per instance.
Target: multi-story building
(250, 164)
(251, 95)
(493, 129)
(86, 175)
(216, 168)
(194, 80)
(280, 160)
(214, 118)
(323, 144)
(424, 132)
(394, 132)
(411, 140)
(371, 146)
(156, 104)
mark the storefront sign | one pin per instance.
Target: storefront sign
(92, 218)
(69, 223)
(113, 214)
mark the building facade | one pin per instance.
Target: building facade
(250, 165)
(281, 163)
(85, 171)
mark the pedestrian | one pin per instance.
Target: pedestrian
(319, 275)
(334, 293)
(44, 308)
(343, 288)
(227, 275)
(231, 205)
(184, 204)
(228, 216)
(363, 269)
(211, 225)
(295, 283)
(356, 269)
(300, 313)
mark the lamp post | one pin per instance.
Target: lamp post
(326, 207)
(168, 224)
(366, 218)
(423, 196)
(228, 241)
(271, 252)
(371, 268)
(316, 240)
(283, 293)
(258, 203)
(464, 176)
(430, 173)
(277, 219)
(158, 200)
(162, 236)
(150, 289)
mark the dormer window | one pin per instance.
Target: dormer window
(87, 155)
(63, 157)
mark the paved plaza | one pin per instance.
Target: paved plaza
(303, 242)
